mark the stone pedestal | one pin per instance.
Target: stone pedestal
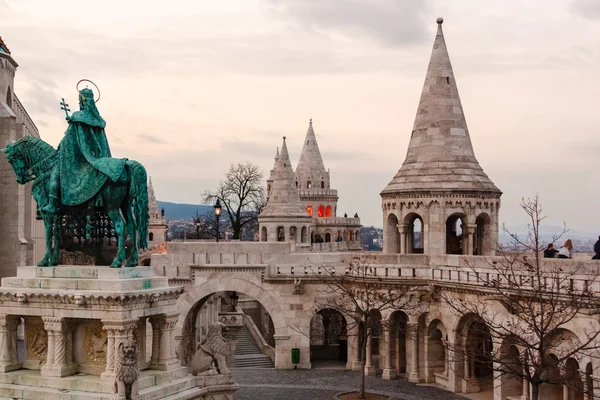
(77, 322)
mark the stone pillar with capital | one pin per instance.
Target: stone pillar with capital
(402, 231)
(388, 372)
(117, 332)
(470, 230)
(9, 360)
(353, 362)
(163, 342)
(412, 334)
(59, 361)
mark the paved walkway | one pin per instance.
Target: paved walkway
(319, 384)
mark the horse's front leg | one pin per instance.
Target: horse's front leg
(48, 225)
(130, 220)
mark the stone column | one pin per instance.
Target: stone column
(140, 339)
(117, 332)
(155, 321)
(412, 333)
(388, 372)
(167, 359)
(59, 360)
(470, 230)
(353, 362)
(369, 367)
(9, 360)
(525, 395)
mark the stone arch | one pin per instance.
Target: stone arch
(573, 381)
(293, 233)
(263, 234)
(280, 234)
(398, 320)
(511, 384)
(414, 233)
(473, 348)
(437, 358)
(303, 234)
(328, 336)
(391, 236)
(455, 236)
(189, 303)
(482, 237)
(327, 236)
(9, 97)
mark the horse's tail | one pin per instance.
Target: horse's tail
(138, 192)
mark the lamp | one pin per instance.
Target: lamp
(234, 300)
(217, 208)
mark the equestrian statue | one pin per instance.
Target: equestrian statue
(81, 175)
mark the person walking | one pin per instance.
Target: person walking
(550, 251)
(566, 249)
(597, 250)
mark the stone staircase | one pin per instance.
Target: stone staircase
(248, 354)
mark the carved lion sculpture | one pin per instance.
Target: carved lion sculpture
(127, 371)
(213, 349)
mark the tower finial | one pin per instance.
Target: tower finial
(284, 138)
(440, 20)
(310, 121)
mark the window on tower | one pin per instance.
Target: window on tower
(328, 211)
(321, 211)
(309, 210)
(309, 185)
(322, 184)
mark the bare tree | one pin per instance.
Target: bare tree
(539, 302)
(242, 195)
(361, 297)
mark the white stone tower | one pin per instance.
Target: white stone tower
(284, 217)
(440, 201)
(270, 180)
(158, 225)
(17, 210)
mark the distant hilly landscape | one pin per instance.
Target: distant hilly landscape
(175, 211)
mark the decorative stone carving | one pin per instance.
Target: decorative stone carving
(213, 349)
(127, 371)
(37, 342)
(298, 286)
(95, 344)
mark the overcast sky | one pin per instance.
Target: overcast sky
(190, 86)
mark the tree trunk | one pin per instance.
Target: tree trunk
(363, 362)
(535, 389)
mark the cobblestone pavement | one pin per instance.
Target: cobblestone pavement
(319, 384)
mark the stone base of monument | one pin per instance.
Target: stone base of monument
(79, 325)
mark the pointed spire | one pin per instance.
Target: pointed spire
(310, 164)
(440, 155)
(277, 154)
(152, 203)
(284, 200)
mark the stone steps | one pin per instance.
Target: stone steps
(248, 354)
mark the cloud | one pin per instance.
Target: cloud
(587, 8)
(151, 138)
(390, 22)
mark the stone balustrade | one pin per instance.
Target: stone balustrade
(318, 192)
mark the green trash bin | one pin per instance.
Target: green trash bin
(295, 356)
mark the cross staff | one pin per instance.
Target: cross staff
(65, 107)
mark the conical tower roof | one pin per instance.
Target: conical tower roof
(271, 172)
(440, 155)
(284, 200)
(152, 204)
(310, 163)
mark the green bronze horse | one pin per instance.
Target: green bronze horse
(125, 200)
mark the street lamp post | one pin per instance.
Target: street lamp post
(234, 300)
(217, 208)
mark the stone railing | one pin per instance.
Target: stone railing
(24, 118)
(339, 221)
(459, 270)
(318, 192)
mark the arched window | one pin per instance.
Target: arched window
(322, 184)
(309, 185)
(280, 234)
(151, 236)
(9, 98)
(327, 237)
(309, 210)
(321, 211)
(328, 211)
(263, 234)
(296, 184)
